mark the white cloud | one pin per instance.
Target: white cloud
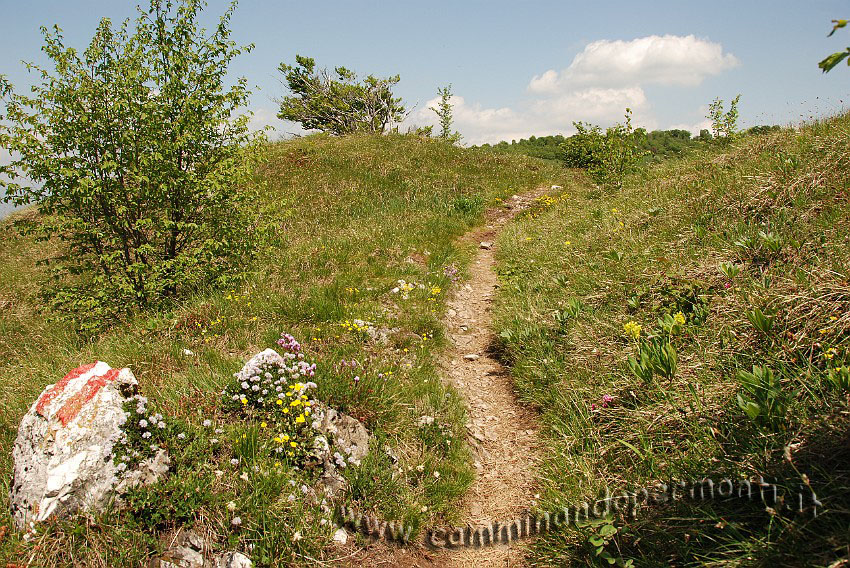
(595, 104)
(478, 124)
(662, 60)
(605, 78)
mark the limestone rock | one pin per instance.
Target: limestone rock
(349, 437)
(234, 560)
(486, 245)
(340, 536)
(188, 552)
(63, 453)
(342, 441)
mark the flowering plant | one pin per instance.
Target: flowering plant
(142, 434)
(274, 392)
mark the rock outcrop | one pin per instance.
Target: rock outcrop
(343, 440)
(63, 455)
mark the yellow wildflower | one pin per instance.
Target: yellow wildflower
(679, 318)
(632, 329)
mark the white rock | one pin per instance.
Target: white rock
(63, 459)
(471, 356)
(486, 245)
(554, 187)
(340, 536)
(234, 560)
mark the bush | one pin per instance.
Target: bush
(608, 157)
(135, 159)
(339, 106)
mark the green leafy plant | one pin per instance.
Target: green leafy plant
(574, 307)
(672, 324)
(829, 62)
(338, 103)
(445, 115)
(763, 401)
(609, 157)
(136, 159)
(690, 297)
(729, 270)
(761, 321)
(723, 124)
(839, 377)
(771, 242)
(602, 533)
(656, 356)
(571, 311)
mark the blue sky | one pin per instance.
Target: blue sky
(521, 67)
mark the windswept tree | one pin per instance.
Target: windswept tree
(338, 103)
(135, 156)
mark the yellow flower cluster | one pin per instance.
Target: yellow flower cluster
(679, 318)
(632, 329)
(348, 325)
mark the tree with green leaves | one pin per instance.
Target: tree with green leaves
(608, 156)
(723, 124)
(445, 114)
(135, 156)
(832, 60)
(338, 103)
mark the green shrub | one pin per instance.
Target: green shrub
(609, 157)
(135, 160)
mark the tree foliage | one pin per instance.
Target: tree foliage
(445, 115)
(828, 63)
(608, 157)
(338, 103)
(133, 153)
(723, 124)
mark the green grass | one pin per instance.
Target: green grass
(575, 270)
(351, 216)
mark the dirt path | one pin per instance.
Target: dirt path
(502, 433)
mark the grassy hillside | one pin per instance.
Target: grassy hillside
(584, 270)
(351, 217)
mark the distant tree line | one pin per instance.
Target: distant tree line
(656, 145)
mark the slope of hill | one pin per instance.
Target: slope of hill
(693, 325)
(633, 321)
(352, 217)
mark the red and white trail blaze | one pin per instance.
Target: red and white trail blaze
(78, 400)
